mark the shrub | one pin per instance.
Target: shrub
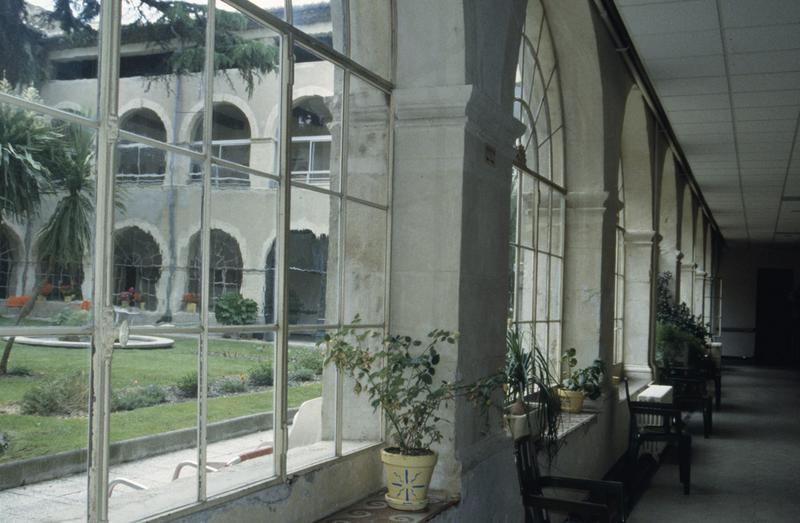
(677, 347)
(132, 398)
(63, 396)
(302, 375)
(235, 309)
(261, 375)
(3, 442)
(20, 371)
(310, 359)
(187, 385)
(70, 317)
(232, 385)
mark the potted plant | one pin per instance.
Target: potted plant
(190, 300)
(398, 374)
(531, 404)
(579, 384)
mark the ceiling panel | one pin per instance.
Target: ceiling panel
(761, 38)
(764, 62)
(748, 13)
(679, 45)
(691, 15)
(765, 81)
(696, 66)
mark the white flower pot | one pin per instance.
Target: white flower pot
(407, 479)
(522, 425)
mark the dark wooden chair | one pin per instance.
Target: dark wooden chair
(601, 501)
(667, 428)
(690, 392)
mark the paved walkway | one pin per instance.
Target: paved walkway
(47, 500)
(749, 470)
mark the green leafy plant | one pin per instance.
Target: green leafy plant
(71, 317)
(20, 370)
(235, 309)
(132, 398)
(232, 385)
(586, 380)
(302, 375)
(398, 374)
(261, 375)
(675, 347)
(187, 385)
(306, 358)
(678, 314)
(64, 396)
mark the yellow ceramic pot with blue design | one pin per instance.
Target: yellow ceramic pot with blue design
(407, 478)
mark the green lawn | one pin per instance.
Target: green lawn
(40, 435)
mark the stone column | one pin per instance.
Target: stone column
(686, 283)
(698, 290)
(589, 275)
(639, 303)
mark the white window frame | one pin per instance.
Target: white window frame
(104, 331)
(311, 175)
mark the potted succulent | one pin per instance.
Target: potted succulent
(190, 301)
(399, 375)
(579, 384)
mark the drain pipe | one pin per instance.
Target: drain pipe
(624, 45)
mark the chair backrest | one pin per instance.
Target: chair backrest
(529, 477)
(306, 426)
(633, 423)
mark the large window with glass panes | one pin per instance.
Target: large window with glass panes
(200, 189)
(538, 194)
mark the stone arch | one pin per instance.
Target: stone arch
(138, 263)
(307, 269)
(11, 261)
(227, 265)
(636, 154)
(150, 105)
(196, 112)
(138, 162)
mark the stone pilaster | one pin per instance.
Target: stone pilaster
(686, 284)
(640, 249)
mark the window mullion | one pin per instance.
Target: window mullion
(344, 139)
(104, 331)
(281, 434)
(520, 282)
(205, 257)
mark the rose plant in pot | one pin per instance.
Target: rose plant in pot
(398, 374)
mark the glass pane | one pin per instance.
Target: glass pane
(313, 258)
(361, 423)
(274, 7)
(554, 347)
(526, 285)
(46, 237)
(555, 287)
(240, 409)
(44, 411)
(365, 264)
(243, 256)
(312, 397)
(316, 119)
(370, 37)
(512, 221)
(161, 86)
(368, 145)
(154, 391)
(41, 63)
(543, 223)
(557, 224)
(512, 283)
(156, 249)
(528, 210)
(322, 19)
(542, 290)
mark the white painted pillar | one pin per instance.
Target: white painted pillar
(639, 302)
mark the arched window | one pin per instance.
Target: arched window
(138, 162)
(8, 257)
(308, 265)
(230, 140)
(311, 141)
(538, 192)
(226, 265)
(619, 273)
(137, 266)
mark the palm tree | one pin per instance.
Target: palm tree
(67, 234)
(24, 138)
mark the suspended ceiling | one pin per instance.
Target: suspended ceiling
(727, 73)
